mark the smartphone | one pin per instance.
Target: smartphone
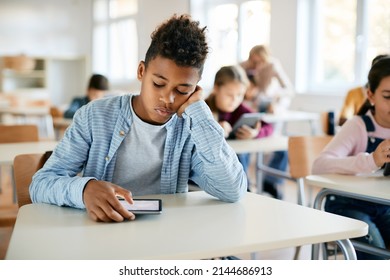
(386, 169)
(249, 119)
(143, 206)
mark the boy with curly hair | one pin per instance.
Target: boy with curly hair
(150, 143)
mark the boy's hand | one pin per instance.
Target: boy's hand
(194, 97)
(103, 205)
(246, 132)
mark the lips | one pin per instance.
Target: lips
(165, 112)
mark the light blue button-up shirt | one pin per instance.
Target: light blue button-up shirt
(195, 149)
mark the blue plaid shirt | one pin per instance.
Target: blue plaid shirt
(195, 149)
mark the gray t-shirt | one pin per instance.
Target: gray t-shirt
(139, 158)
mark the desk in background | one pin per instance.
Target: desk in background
(60, 125)
(372, 187)
(26, 113)
(281, 119)
(192, 225)
(8, 151)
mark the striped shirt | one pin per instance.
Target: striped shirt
(195, 149)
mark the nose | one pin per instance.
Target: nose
(168, 97)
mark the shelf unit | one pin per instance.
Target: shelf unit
(53, 79)
(15, 80)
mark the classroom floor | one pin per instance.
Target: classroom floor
(289, 190)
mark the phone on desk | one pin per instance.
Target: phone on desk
(386, 169)
(143, 206)
(249, 119)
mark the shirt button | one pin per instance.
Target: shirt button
(121, 133)
(107, 158)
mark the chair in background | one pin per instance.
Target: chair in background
(14, 134)
(302, 151)
(18, 133)
(25, 166)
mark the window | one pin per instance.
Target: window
(115, 39)
(346, 35)
(234, 26)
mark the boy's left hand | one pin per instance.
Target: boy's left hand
(194, 97)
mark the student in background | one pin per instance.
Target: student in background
(97, 87)
(226, 104)
(355, 99)
(148, 143)
(363, 146)
(270, 91)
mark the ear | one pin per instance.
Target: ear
(215, 89)
(370, 96)
(141, 70)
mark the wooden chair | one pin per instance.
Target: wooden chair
(25, 166)
(14, 134)
(18, 133)
(302, 151)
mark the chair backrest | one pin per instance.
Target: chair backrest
(302, 151)
(25, 166)
(18, 133)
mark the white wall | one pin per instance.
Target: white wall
(45, 28)
(154, 12)
(151, 14)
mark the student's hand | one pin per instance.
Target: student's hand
(247, 132)
(382, 153)
(102, 204)
(227, 128)
(194, 97)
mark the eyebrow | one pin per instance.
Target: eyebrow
(165, 79)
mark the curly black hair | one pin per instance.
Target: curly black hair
(181, 40)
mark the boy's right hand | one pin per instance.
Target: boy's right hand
(102, 204)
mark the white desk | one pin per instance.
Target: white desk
(373, 187)
(284, 117)
(8, 151)
(262, 145)
(192, 225)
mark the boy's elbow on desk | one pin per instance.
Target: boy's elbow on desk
(234, 194)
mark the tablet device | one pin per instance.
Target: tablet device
(143, 206)
(249, 119)
(386, 169)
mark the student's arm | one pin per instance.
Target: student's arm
(76, 104)
(345, 153)
(266, 130)
(214, 165)
(57, 182)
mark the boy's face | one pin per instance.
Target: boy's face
(164, 88)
